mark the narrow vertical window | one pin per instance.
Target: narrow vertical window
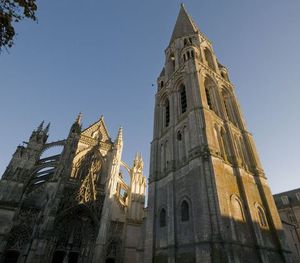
(167, 113)
(192, 54)
(237, 209)
(183, 99)
(225, 144)
(226, 107)
(261, 217)
(162, 218)
(208, 98)
(209, 58)
(161, 84)
(185, 211)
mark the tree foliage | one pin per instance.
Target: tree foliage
(12, 11)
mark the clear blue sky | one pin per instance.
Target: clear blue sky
(101, 57)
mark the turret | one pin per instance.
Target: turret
(26, 156)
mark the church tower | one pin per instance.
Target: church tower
(209, 200)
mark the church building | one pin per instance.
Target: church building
(208, 199)
(74, 206)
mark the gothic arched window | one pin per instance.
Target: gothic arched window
(179, 136)
(209, 58)
(183, 101)
(167, 113)
(219, 141)
(171, 63)
(185, 211)
(225, 143)
(211, 95)
(162, 218)
(261, 217)
(238, 212)
(229, 110)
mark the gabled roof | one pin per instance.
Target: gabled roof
(184, 25)
(97, 126)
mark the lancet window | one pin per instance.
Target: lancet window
(167, 113)
(261, 217)
(183, 101)
(185, 211)
(209, 58)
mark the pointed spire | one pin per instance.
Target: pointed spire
(79, 117)
(119, 138)
(47, 128)
(138, 161)
(184, 25)
(40, 127)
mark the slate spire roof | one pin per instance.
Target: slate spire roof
(184, 25)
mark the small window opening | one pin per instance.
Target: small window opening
(184, 211)
(162, 218)
(183, 100)
(285, 199)
(188, 54)
(179, 136)
(292, 218)
(208, 98)
(167, 107)
(226, 108)
(262, 218)
(209, 58)
(172, 58)
(161, 84)
(192, 54)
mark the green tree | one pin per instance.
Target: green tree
(12, 11)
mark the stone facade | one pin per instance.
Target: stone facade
(288, 205)
(209, 200)
(74, 206)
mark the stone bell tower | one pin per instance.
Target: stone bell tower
(209, 200)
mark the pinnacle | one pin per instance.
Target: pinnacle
(79, 117)
(184, 25)
(120, 135)
(47, 128)
(40, 127)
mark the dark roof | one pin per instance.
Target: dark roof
(292, 197)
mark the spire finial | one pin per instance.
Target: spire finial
(79, 117)
(120, 135)
(47, 128)
(40, 127)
